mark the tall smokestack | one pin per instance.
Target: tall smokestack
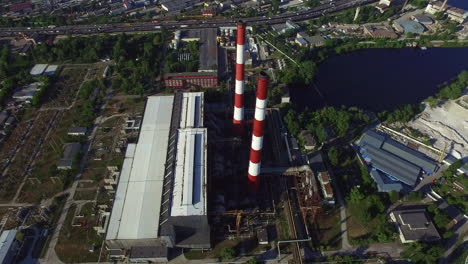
(258, 125)
(238, 119)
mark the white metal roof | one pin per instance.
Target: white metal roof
(141, 193)
(6, 240)
(38, 69)
(192, 110)
(121, 193)
(51, 69)
(189, 197)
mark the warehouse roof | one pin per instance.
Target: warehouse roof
(6, 241)
(373, 138)
(192, 110)
(177, 5)
(187, 75)
(411, 26)
(138, 197)
(208, 47)
(383, 183)
(394, 158)
(69, 152)
(410, 155)
(119, 199)
(38, 69)
(392, 165)
(189, 231)
(190, 173)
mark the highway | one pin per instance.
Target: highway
(331, 7)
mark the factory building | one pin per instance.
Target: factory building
(188, 79)
(161, 194)
(396, 162)
(455, 11)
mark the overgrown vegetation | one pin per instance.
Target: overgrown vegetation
(402, 114)
(440, 219)
(418, 3)
(137, 57)
(46, 82)
(367, 206)
(14, 71)
(422, 253)
(325, 123)
(368, 14)
(227, 253)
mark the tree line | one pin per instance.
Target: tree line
(323, 123)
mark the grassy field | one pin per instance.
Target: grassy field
(75, 241)
(357, 229)
(85, 194)
(329, 230)
(214, 253)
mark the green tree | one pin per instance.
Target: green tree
(227, 253)
(393, 196)
(356, 195)
(333, 156)
(252, 261)
(420, 253)
(366, 178)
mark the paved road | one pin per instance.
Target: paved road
(338, 5)
(345, 245)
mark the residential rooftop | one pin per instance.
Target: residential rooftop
(414, 224)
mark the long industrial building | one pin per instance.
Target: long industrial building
(161, 194)
(394, 160)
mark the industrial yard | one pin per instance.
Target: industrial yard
(187, 146)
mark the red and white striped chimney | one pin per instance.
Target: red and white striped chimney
(238, 119)
(258, 126)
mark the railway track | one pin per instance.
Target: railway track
(296, 247)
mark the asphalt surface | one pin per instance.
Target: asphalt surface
(335, 6)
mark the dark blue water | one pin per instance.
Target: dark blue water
(463, 4)
(381, 79)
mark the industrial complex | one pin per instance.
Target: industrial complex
(161, 194)
(193, 144)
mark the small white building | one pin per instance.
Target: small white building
(77, 131)
(50, 70)
(38, 69)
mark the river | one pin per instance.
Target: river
(381, 79)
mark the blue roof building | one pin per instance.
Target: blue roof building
(410, 27)
(384, 183)
(392, 161)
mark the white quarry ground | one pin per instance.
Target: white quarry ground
(446, 124)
